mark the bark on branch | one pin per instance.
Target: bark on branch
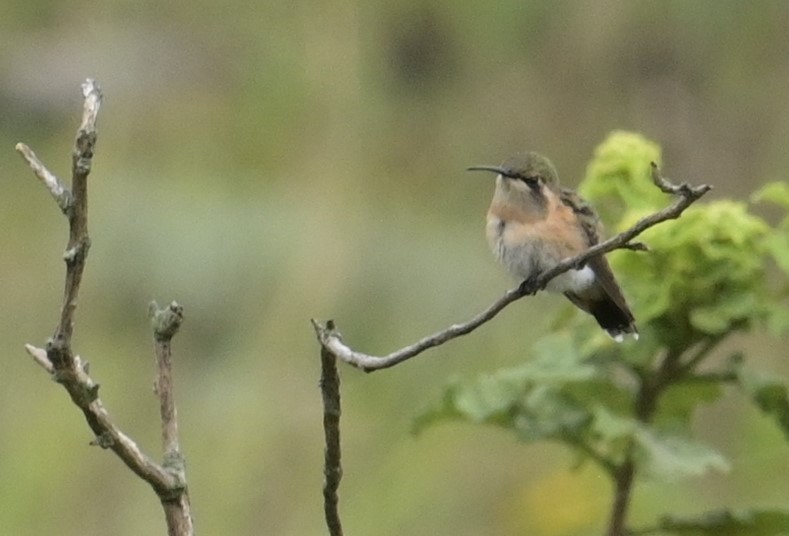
(66, 368)
(332, 468)
(331, 340)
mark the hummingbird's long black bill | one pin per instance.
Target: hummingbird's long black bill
(494, 169)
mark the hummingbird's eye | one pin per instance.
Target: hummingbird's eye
(532, 181)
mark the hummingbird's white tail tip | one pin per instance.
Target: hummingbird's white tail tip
(620, 335)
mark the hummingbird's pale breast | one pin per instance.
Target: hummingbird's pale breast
(528, 242)
(526, 259)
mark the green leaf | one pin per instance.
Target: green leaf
(489, 399)
(773, 192)
(778, 318)
(726, 523)
(709, 320)
(611, 426)
(679, 402)
(548, 414)
(670, 458)
(557, 361)
(619, 175)
(777, 244)
(530, 400)
(770, 395)
(611, 434)
(703, 276)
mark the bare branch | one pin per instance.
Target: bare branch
(84, 393)
(58, 358)
(79, 243)
(330, 338)
(39, 355)
(74, 204)
(165, 325)
(60, 193)
(176, 503)
(90, 108)
(330, 389)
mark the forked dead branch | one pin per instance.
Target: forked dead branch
(58, 359)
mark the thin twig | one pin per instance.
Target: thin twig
(176, 503)
(707, 346)
(77, 212)
(606, 464)
(39, 355)
(330, 339)
(60, 193)
(58, 358)
(165, 324)
(330, 390)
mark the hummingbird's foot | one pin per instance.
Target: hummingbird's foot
(529, 286)
(636, 246)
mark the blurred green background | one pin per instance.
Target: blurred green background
(265, 163)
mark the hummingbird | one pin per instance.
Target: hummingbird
(534, 223)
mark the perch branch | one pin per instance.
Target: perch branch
(58, 358)
(686, 195)
(330, 389)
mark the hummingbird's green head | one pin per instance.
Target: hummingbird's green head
(531, 168)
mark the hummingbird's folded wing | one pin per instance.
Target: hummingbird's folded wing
(593, 228)
(587, 217)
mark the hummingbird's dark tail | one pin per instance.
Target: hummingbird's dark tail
(605, 302)
(616, 320)
(613, 319)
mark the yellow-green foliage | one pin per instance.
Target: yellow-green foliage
(618, 177)
(703, 276)
(778, 241)
(705, 272)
